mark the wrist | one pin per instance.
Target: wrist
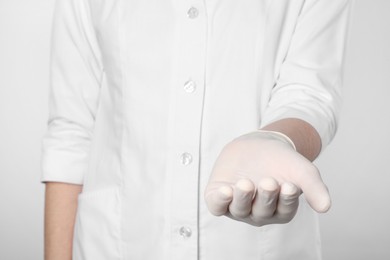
(279, 136)
(305, 138)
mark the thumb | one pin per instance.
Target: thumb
(315, 191)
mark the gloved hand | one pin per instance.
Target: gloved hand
(258, 178)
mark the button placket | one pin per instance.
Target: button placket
(189, 74)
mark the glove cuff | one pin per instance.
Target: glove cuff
(280, 136)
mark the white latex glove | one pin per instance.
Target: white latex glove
(258, 178)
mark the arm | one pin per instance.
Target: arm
(306, 139)
(258, 177)
(75, 78)
(60, 212)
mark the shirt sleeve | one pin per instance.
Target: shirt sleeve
(309, 82)
(75, 76)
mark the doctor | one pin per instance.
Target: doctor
(187, 129)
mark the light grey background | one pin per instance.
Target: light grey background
(355, 166)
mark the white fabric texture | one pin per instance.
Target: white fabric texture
(145, 93)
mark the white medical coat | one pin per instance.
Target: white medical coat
(145, 93)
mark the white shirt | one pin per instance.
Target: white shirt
(144, 95)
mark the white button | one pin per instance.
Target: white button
(186, 158)
(189, 86)
(185, 232)
(192, 12)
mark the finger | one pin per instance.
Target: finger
(243, 193)
(219, 199)
(288, 202)
(315, 191)
(265, 202)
